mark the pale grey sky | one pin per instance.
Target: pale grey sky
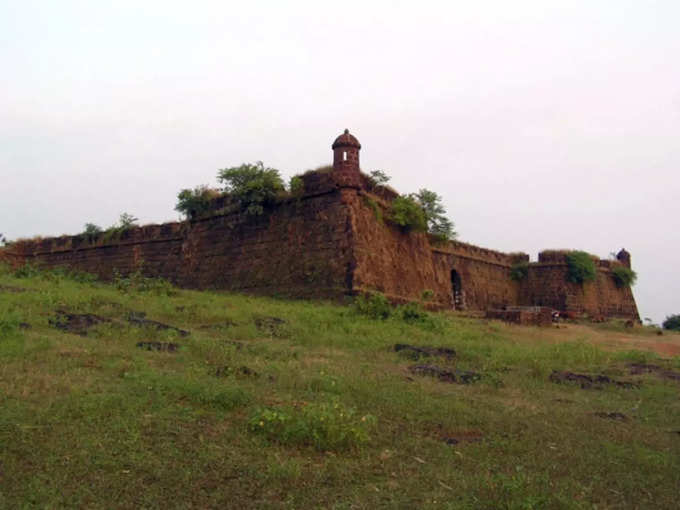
(542, 124)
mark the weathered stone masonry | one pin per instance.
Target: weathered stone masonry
(332, 241)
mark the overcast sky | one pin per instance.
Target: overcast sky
(543, 124)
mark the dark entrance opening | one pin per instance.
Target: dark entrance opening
(456, 284)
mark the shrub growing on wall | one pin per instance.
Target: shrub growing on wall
(253, 185)
(672, 322)
(193, 203)
(519, 271)
(580, 267)
(408, 214)
(378, 178)
(623, 276)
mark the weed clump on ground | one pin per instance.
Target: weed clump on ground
(374, 306)
(137, 282)
(377, 306)
(325, 426)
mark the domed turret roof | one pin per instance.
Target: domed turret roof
(346, 140)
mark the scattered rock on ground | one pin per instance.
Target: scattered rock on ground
(416, 352)
(647, 368)
(451, 376)
(77, 323)
(139, 319)
(612, 416)
(589, 381)
(158, 346)
(25, 325)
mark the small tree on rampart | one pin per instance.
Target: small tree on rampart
(253, 185)
(580, 267)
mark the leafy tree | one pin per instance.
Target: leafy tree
(580, 267)
(91, 229)
(378, 178)
(408, 214)
(253, 185)
(624, 276)
(672, 322)
(193, 203)
(127, 221)
(435, 214)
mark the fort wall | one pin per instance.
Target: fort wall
(404, 264)
(332, 240)
(302, 248)
(546, 284)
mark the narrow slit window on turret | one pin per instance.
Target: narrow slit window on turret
(344, 155)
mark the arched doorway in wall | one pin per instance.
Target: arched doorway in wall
(457, 289)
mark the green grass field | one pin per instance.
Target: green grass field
(290, 404)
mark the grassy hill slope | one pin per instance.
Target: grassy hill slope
(273, 404)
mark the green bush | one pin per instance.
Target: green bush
(325, 426)
(253, 185)
(126, 221)
(408, 214)
(623, 276)
(412, 312)
(580, 267)
(435, 214)
(375, 306)
(672, 322)
(296, 186)
(27, 271)
(194, 203)
(519, 271)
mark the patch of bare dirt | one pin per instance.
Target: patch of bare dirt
(444, 375)
(588, 382)
(416, 352)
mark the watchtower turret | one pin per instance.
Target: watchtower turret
(346, 159)
(624, 257)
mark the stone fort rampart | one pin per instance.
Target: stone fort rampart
(331, 241)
